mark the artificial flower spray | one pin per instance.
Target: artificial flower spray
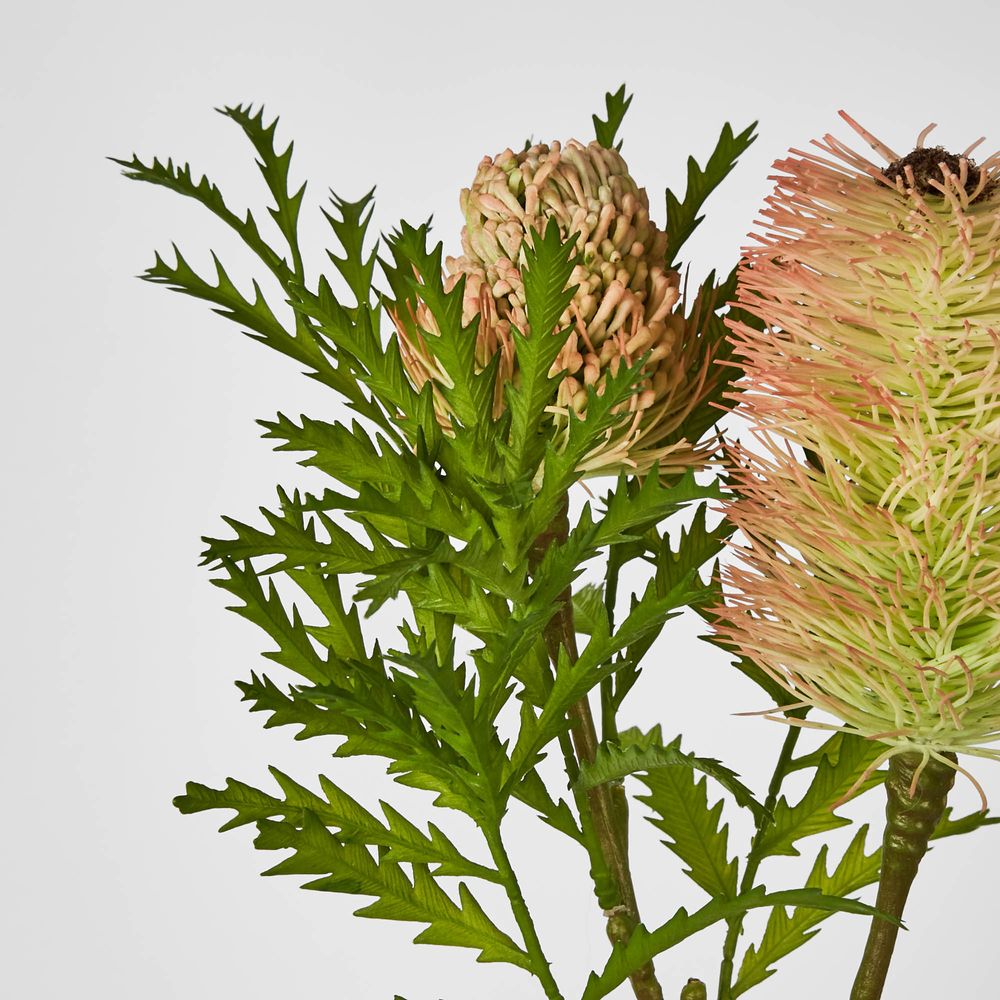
(473, 393)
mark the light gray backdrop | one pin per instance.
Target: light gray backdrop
(129, 429)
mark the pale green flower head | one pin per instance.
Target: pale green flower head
(869, 581)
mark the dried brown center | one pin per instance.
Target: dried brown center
(926, 166)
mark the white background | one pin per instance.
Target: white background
(129, 428)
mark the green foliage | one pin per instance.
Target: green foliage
(646, 752)
(696, 545)
(607, 129)
(416, 275)
(787, 930)
(843, 761)
(546, 270)
(402, 840)
(180, 179)
(680, 805)
(351, 868)
(350, 226)
(682, 216)
(633, 507)
(588, 608)
(645, 945)
(274, 168)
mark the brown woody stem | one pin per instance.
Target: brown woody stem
(910, 821)
(609, 817)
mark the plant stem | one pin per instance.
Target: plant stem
(754, 858)
(910, 821)
(604, 810)
(694, 990)
(609, 724)
(521, 914)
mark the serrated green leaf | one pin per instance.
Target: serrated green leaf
(574, 679)
(682, 216)
(444, 695)
(582, 435)
(335, 808)
(255, 314)
(285, 709)
(546, 270)
(712, 361)
(548, 263)
(834, 776)
(681, 808)
(614, 763)
(265, 609)
(294, 539)
(418, 277)
(348, 454)
(695, 546)
(588, 608)
(341, 633)
(274, 168)
(949, 827)
(633, 507)
(257, 319)
(533, 793)
(616, 105)
(788, 930)
(180, 179)
(350, 225)
(351, 868)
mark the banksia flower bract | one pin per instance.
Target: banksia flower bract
(870, 582)
(621, 311)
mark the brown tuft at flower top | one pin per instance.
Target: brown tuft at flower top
(622, 308)
(869, 584)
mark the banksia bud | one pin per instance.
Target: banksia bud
(622, 309)
(869, 585)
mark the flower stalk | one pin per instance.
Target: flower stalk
(917, 791)
(608, 810)
(756, 856)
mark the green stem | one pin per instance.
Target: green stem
(910, 821)
(540, 964)
(609, 724)
(754, 858)
(605, 809)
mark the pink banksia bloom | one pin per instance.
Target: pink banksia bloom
(622, 309)
(868, 489)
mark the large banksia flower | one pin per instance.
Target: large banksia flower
(623, 307)
(869, 585)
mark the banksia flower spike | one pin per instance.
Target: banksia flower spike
(869, 585)
(622, 309)
(870, 582)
